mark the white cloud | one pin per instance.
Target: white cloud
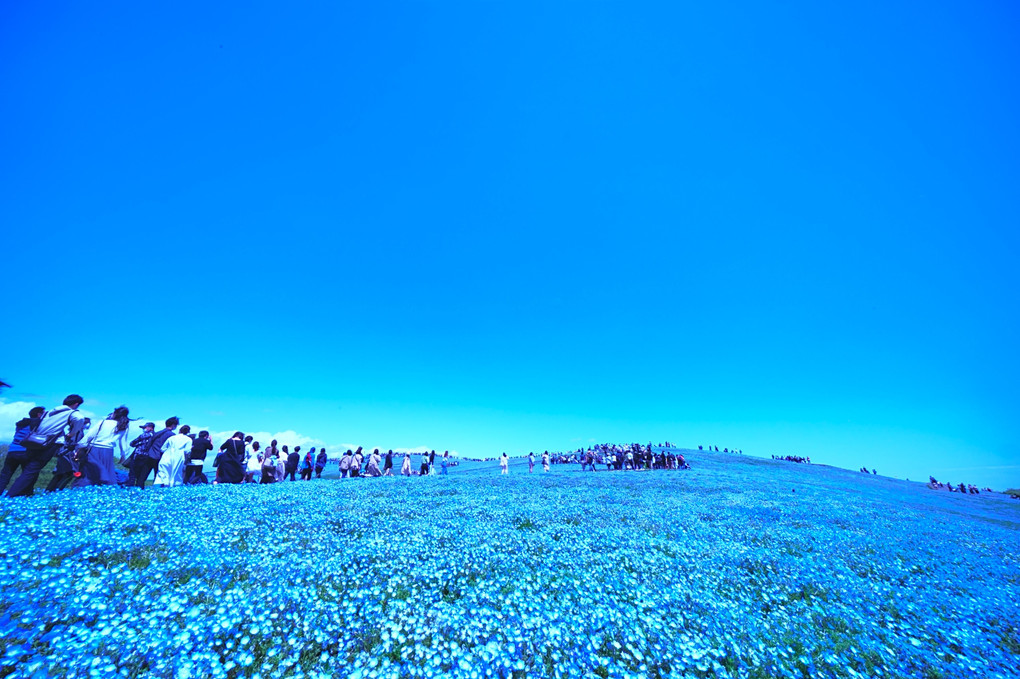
(10, 413)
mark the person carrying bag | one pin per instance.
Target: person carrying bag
(42, 443)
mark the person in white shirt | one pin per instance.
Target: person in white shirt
(253, 473)
(53, 425)
(175, 452)
(106, 437)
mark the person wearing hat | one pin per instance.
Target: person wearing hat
(146, 460)
(140, 444)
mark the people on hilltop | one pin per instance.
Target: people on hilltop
(793, 458)
(967, 489)
(178, 457)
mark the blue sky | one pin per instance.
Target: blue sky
(511, 226)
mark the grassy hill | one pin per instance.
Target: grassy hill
(738, 567)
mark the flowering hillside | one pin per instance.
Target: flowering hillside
(739, 567)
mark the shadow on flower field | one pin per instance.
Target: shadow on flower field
(740, 567)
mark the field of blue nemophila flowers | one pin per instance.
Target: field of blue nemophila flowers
(737, 568)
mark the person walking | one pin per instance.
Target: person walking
(373, 464)
(405, 466)
(531, 462)
(545, 461)
(196, 459)
(423, 469)
(148, 460)
(388, 463)
(138, 446)
(103, 439)
(444, 463)
(173, 458)
(320, 462)
(16, 453)
(42, 443)
(504, 464)
(345, 464)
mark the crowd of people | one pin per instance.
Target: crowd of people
(792, 458)
(966, 489)
(89, 453)
(621, 457)
(725, 450)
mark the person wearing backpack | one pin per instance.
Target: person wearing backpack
(16, 452)
(147, 460)
(43, 442)
(320, 462)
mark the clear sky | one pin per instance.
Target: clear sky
(489, 226)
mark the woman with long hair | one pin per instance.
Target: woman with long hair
(105, 436)
(231, 460)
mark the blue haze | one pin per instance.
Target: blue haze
(511, 226)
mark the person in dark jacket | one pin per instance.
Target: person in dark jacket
(138, 446)
(147, 460)
(68, 464)
(230, 462)
(293, 459)
(16, 453)
(320, 462)
(307, 464)
(199, 449)
(66, 423)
